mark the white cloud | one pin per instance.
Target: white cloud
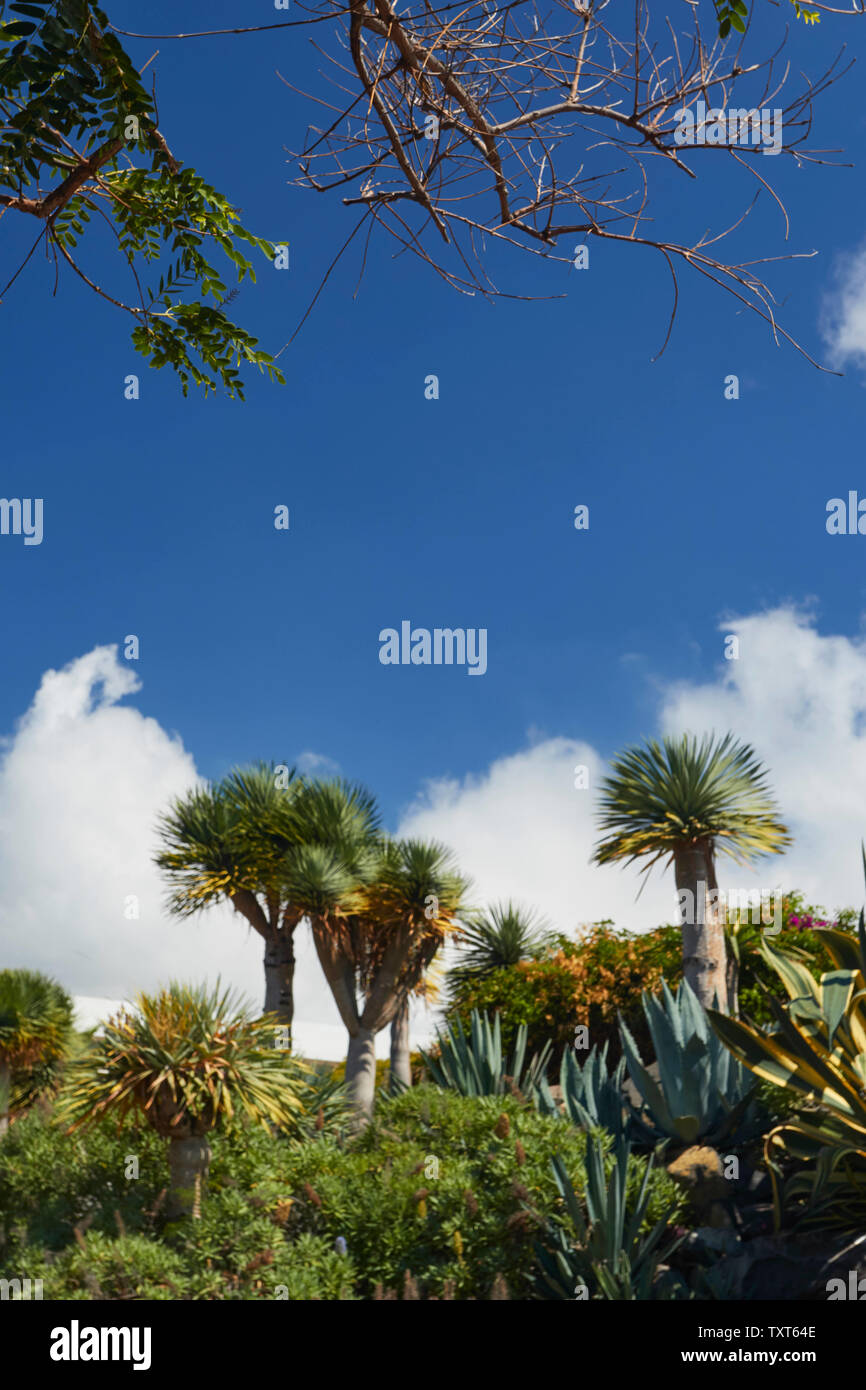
(844, 311)
(800, 699)
(317, 765)
(524, 831)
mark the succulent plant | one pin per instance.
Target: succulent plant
(703, 1092)
(475, 1066)
(817, 1050)
(607, 1252)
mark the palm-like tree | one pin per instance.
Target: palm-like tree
(501, 935)
(418, 890)
(682, 801)
(228, 843)
(186, 1058)
(35, 1027)
(368, 900)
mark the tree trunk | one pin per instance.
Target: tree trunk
(280, 977)
(361, 1073)
(5, 1085)
(702, 918)
(400, 1067)
(732, 980)
(188, 1161)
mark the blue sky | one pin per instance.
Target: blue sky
(450, 512)
(456, 512)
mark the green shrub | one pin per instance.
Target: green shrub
(127, 1267)
(50, 1182)
(139, 1267)
(453, 1189)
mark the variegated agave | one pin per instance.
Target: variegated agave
(817, 1049)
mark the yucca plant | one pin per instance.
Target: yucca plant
(187, 1058)
(43, 1079)
(35, 1028)
(702, 1094)
(606, 1252)
(682, 801)
(475, 1066)
(818, 1050)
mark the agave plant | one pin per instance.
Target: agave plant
(818, 1050)
(592, 1097)
(187, 1058)
(703, 1093)
(475, 1066)
(35, 1029)
(607, 1251)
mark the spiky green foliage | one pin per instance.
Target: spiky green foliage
(220, 840)
(41, 1080)
(187, 1058)
(415, 895)
(703, 1093)
(333, 851)
(475, 1066)
(201, 855)
(500, 936)
(668, 796)
(605, 1251)
(35, 1018)
(337, 812)
(417, 882)
(592, 1096)
(817, 1050)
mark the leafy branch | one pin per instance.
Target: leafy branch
(80, 137)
